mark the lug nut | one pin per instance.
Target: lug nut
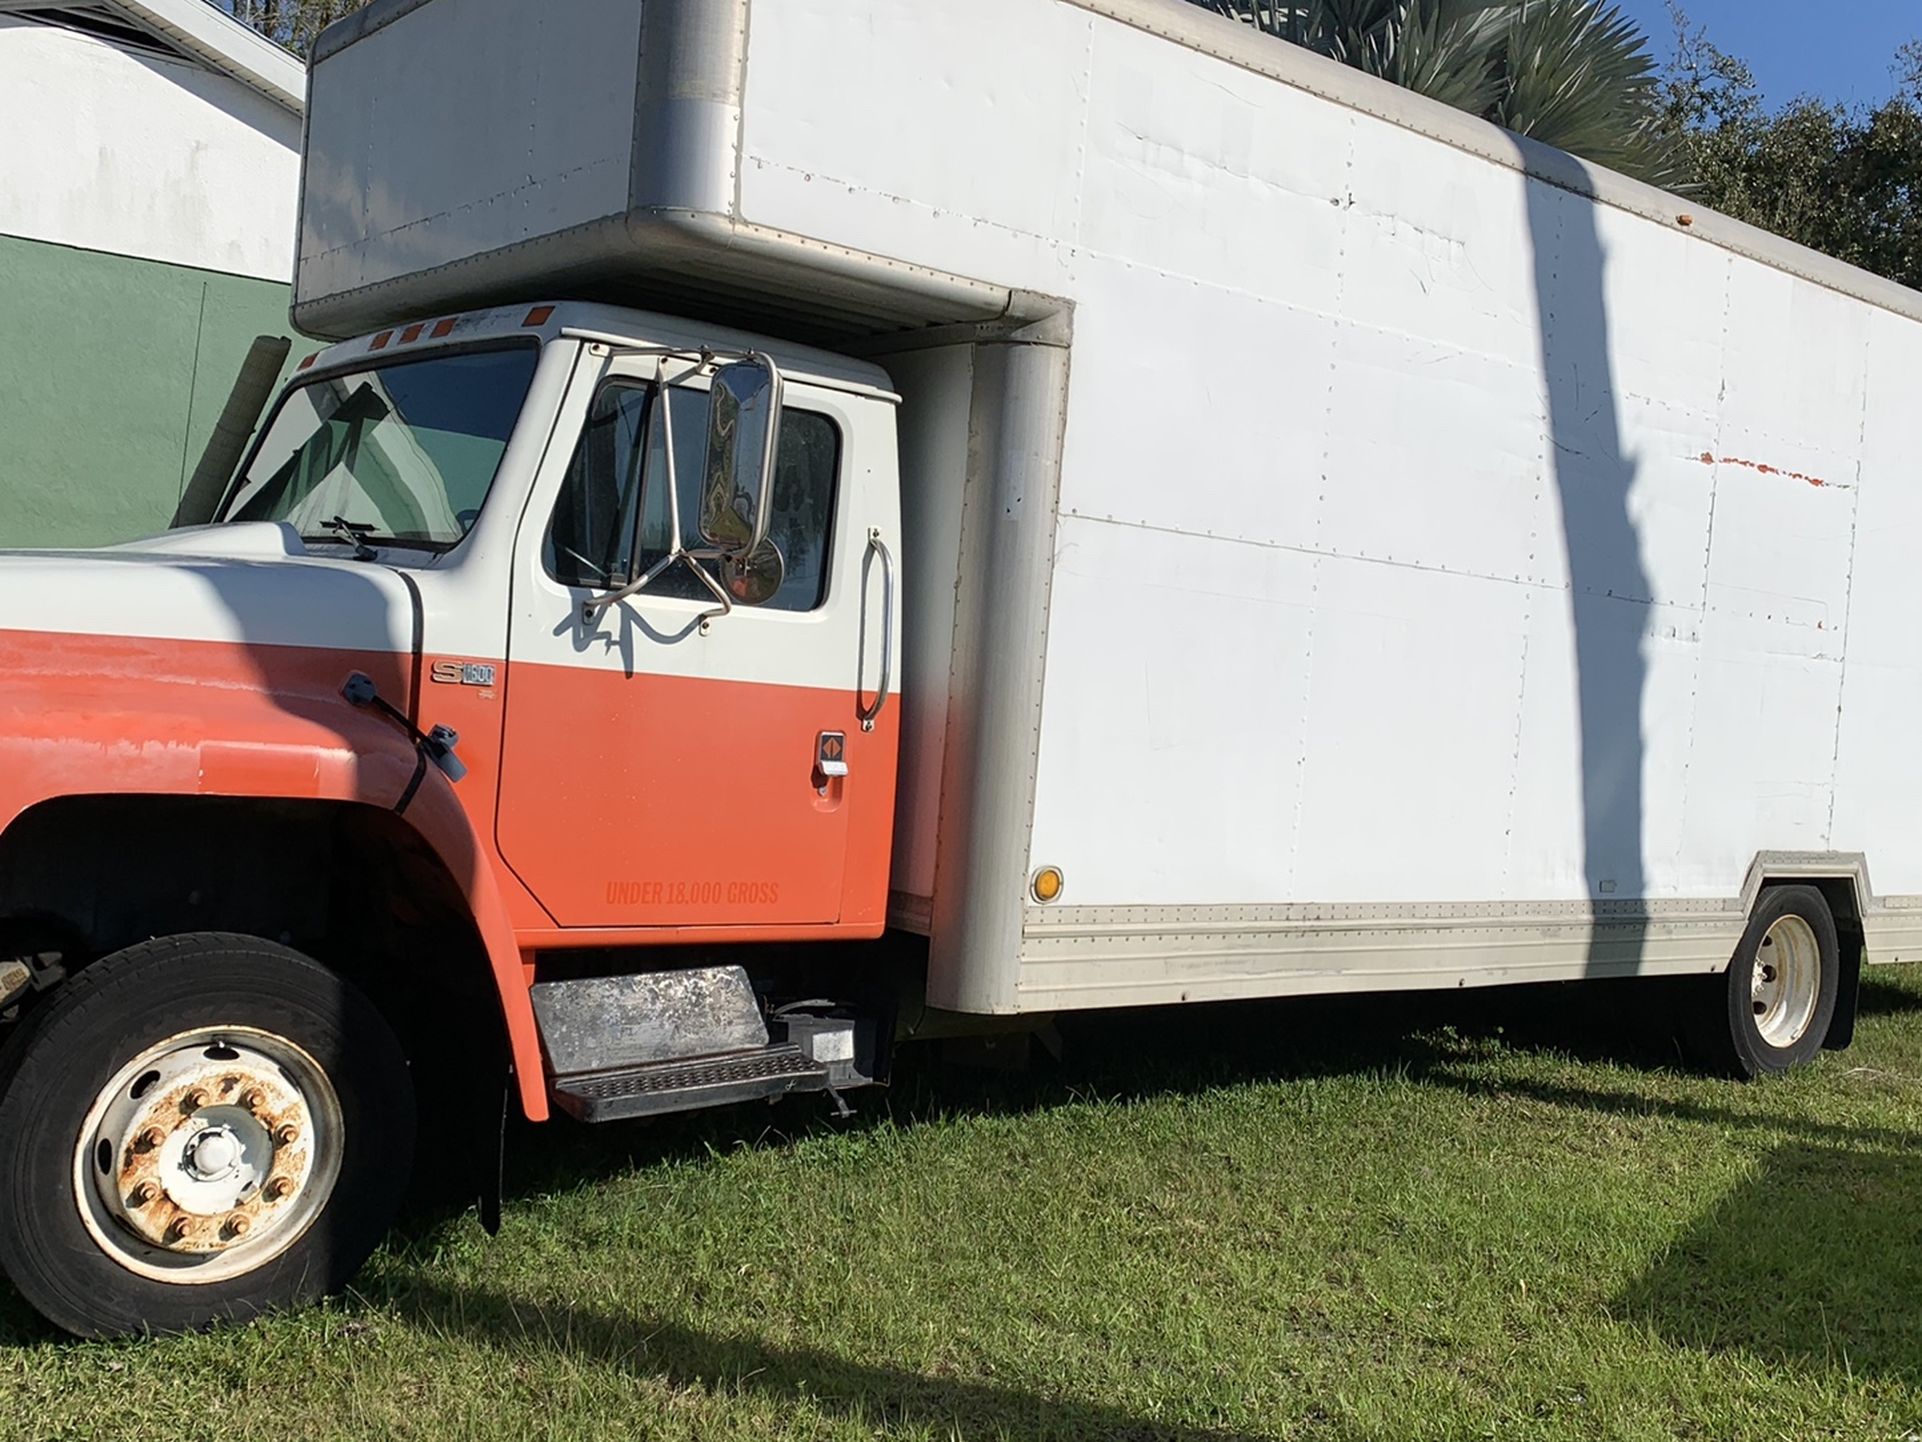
(278, 1188)
(286, 1134)
(194, 1100)
(143, 1194)
(178, 1229)
(254, 1100)
(238, 1224)
(149, 1139)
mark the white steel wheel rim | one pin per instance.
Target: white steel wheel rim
(1785, 981)
(208, 1155)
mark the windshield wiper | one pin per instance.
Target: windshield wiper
(355, 532)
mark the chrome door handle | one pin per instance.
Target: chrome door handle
(876, 546)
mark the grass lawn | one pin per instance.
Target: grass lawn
(1502, 1216)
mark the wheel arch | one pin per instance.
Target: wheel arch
(1842, 878)
(425, 934)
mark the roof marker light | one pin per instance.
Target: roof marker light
(412, 333)
(539, 316)
(308, 363)
(444, 329)
(380, 341)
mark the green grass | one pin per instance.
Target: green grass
(1507, 1216)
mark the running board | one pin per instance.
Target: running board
(680, 1086)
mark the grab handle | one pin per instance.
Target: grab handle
(876, 546)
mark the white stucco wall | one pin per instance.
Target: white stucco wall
(137, 155)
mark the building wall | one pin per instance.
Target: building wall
(108, 149)
(146, 237)
(121, 371)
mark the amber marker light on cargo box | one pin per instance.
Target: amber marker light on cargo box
(1047, 884)
(540, 315)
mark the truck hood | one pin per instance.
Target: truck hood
(251, 585)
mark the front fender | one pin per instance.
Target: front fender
(139, 723)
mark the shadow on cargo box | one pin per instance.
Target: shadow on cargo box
(1609, 592)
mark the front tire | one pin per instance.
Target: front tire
(198, 1129)
(1774, 1005)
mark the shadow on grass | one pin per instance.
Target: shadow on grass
(1432, 1038)
(1112, 1056)
(1638, 1104)
(660, 1349)
(1815, 1260)
(1129, 1056)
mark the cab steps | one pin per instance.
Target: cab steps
(678, 1086)
(676, 1041)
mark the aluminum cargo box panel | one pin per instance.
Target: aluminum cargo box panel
(925, 132)
(461, 128)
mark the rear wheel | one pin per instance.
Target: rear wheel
(1778, 997)
(201, 1128)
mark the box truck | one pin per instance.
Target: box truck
(827, 521)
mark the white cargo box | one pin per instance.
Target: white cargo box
(1358, 549)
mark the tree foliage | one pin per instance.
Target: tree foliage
(1576, 74)
(1844, 181)
(291, 23)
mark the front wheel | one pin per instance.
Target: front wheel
(1773, 1007)
(196, 1129)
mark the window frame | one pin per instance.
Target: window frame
(699, 385)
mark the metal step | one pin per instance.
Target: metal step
(682, 1086)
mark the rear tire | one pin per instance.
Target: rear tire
(198, 1129)
(1771, 1011)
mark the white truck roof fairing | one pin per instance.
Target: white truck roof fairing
(636, 180)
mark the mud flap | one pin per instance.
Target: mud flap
(493, 1179)
(1848, 997)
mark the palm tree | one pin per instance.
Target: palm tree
(1575, 74)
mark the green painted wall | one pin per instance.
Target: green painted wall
(112, 373)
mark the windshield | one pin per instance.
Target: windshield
(398, 454)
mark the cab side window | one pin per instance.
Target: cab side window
(588, 542)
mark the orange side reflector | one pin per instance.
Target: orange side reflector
(540, 315)
(411, 334)
(444, 329)
(380, 341)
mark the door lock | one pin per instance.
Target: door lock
(830, 755)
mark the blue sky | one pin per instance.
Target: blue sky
(1834, 49)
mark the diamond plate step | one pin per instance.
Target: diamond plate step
(683, 1086)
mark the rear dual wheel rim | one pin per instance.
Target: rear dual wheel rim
(208, 1155)
(1785, 983)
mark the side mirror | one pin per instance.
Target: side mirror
(737, 483)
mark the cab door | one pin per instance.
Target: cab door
(667, 766)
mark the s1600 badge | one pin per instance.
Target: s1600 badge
(462, 673)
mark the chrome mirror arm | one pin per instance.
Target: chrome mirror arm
(727, 602)
(594, 606)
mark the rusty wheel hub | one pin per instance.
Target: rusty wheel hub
(208, 1154)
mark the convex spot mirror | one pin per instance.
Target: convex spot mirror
(737, 484)
(754, 579)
